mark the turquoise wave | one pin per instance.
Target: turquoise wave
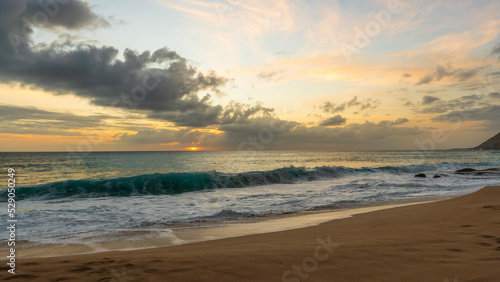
(177, 183)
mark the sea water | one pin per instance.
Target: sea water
(77, 197)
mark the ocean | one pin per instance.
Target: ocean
(67, 198)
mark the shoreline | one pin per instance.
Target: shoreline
(455, 239)
(189, 233)
(207, 232)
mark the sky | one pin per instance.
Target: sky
(158, 75)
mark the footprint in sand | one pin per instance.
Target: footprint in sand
(22, 276)
(156, 261)
(485, 244)
(151, 270)
(81, 268)
(492, 207)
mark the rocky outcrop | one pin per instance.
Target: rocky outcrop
(491, 144)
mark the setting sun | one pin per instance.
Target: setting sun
(193, 148)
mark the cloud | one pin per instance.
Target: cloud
(442, 72)
(252, 127)
(329, 107)
(427, 99)
(333, 121)
(268, 75)
(366, 134)
(283, 134)
(425, 80)
(494, 95)
(160, 83)
(185, 137)
(399, 121)
(475, 107)
(366, 104)
(496, 51)
(487, 114)
(240, 113)
(70, 15)
(31, 120)
(209, 115)
(458, 104)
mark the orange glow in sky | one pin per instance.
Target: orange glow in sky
(193, 148)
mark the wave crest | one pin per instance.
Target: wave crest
(178, 183)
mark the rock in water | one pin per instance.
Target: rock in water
(420, 175)
(495, 171)
(465, 170)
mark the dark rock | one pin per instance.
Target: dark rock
(465, 170)
(420, 175)
(436, 176)
(488, 172)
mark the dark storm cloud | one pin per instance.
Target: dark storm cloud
(334, 121)
(427, 99)
(441, 72)
(17, 120)
(71, 15)
(160, 83)
(17, 19)
(329, 107)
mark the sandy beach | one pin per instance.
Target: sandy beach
(450, 240)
